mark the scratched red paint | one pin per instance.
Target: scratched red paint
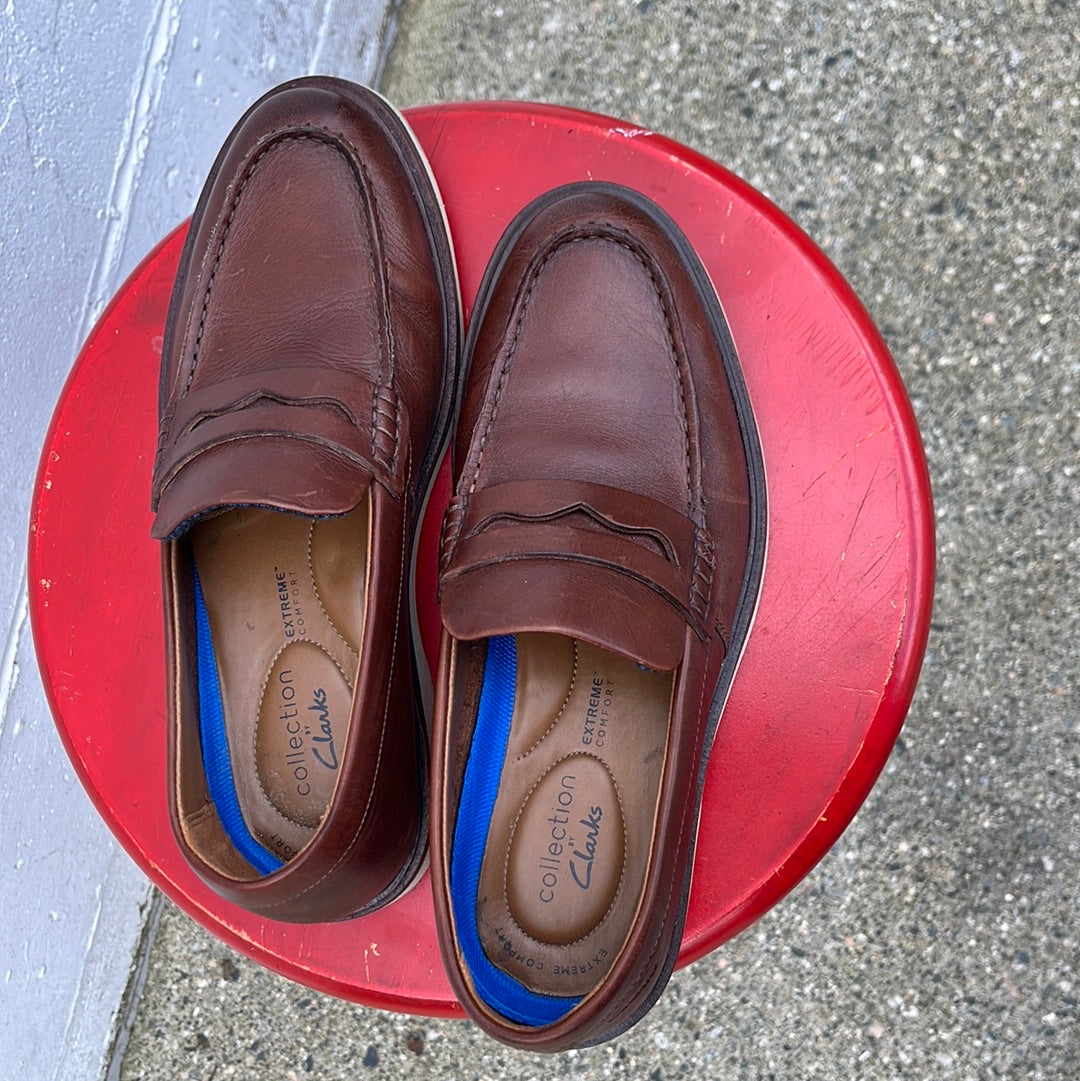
(841, 629)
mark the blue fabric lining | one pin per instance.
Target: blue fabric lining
(479, 790)
(215, 746)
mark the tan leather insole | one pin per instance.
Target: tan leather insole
(570, 833)
(285, 598)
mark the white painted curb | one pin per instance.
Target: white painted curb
(109, 119)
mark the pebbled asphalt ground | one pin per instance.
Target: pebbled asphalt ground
(931, 150)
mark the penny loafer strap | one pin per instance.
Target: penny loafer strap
(363, 422)
(617, 532)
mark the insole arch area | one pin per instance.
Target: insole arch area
(285, 595)
(570, 832)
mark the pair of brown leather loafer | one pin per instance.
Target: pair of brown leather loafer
(600, 561)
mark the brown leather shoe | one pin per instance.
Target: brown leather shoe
(600, 568)
(307, 380)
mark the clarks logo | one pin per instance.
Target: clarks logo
(581, 862)
(326, 754)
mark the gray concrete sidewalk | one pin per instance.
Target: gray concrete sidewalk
(932, 151)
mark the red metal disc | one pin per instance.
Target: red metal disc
(830, 667)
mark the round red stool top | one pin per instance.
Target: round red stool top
(831, 664)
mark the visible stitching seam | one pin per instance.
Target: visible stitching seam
(270, 804)
(562, 708)
(274, 140)
(451, 526)
(591, 231)
(703, 572)
(386, 427)
(510, 844)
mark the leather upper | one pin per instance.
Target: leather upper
(298, 367)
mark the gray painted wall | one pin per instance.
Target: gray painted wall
(110, 115)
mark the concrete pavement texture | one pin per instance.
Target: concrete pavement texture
(931, 150)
